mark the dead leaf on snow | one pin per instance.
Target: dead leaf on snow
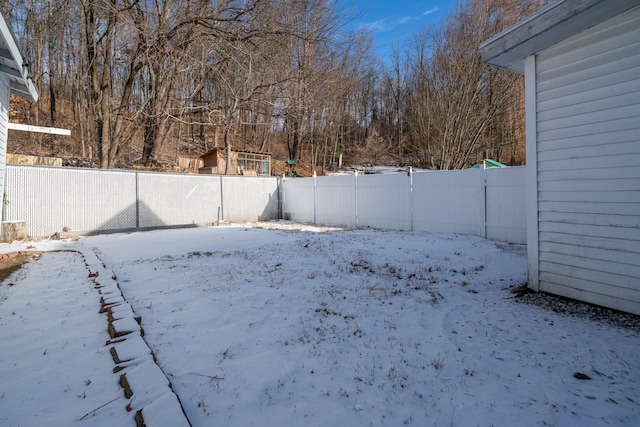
(581, 376)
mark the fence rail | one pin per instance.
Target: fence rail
(484, 202)
(488, 203)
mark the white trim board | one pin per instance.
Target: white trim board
(38, 129)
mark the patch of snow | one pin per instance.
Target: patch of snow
(302, 325)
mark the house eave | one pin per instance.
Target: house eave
(547, 27)
(13, 66)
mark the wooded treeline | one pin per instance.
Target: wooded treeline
(142, 81)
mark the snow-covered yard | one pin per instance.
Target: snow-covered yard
(298, 325)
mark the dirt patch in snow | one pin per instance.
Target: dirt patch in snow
(10, 263)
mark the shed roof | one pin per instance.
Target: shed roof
(488, 163)
(548, 26)
(12, 64)
(222, 149)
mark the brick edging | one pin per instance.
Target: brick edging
(135, 364)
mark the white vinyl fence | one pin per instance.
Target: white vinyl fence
(51, 199)
(484, 202)
(488, 203)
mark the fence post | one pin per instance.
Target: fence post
(222, 198)
(281, 195)
(315, 190)
(410, 175)
(355, 197)
(137, 200)
(483, 210)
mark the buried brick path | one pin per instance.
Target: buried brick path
(148, 391)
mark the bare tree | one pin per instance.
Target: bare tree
(131, 76)
(313, 25)
(395, 90)
(460, 108)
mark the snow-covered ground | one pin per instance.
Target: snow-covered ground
(311, 326)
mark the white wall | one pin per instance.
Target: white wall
(588, 165)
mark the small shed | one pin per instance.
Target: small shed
(241, 163)
(581, 65)
(14, 80)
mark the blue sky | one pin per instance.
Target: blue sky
(395, 21)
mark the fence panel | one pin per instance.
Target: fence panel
(506, 204)
(449, 201)
(384, 201)
(50, 199)
(298, 199)
(335, 200)
(172, 199)
(249, 198)
(487, 203)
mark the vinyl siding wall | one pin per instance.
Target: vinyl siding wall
(4, 120)
(588, 165)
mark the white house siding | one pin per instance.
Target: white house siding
(588, 157)
(4, 119)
